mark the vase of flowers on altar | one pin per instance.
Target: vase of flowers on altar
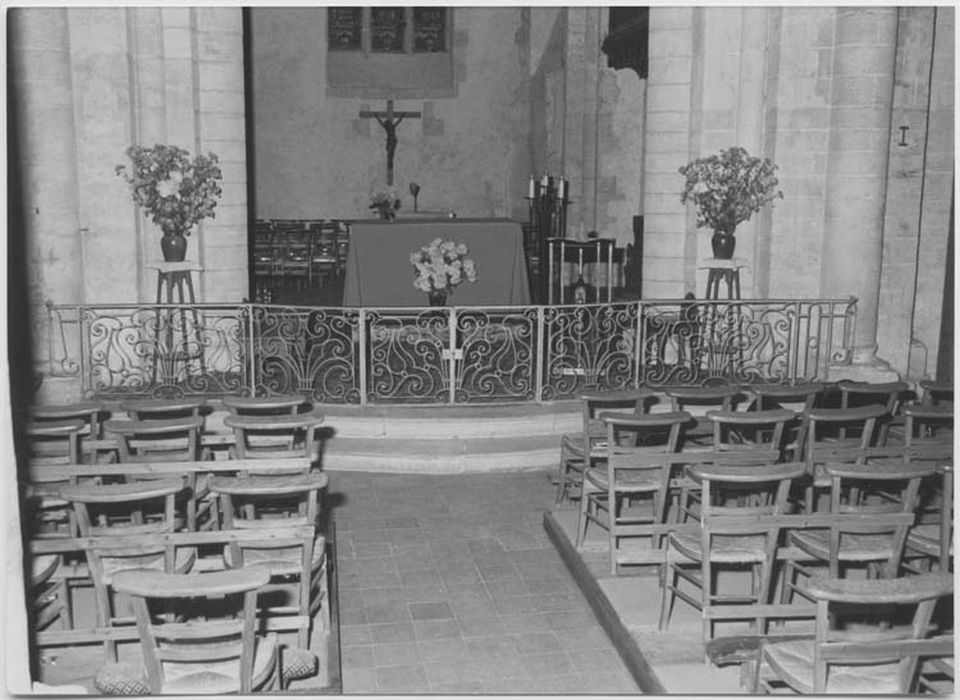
(727, 188)
(176, 190)
(385, 204)
(440, 266)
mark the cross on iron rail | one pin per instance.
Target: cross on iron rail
(389, 120)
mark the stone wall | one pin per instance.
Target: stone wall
(316, 158)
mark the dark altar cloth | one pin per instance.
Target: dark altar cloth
(379, 272)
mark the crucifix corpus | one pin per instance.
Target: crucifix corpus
(389, 121)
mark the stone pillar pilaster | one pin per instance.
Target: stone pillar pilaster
(861, 97)
(40, 77)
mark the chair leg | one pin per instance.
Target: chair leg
(562, 471)
(585, 494)
(668, 579)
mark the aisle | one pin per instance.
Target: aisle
(448, 584)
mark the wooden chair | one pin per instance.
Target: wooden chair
(209, 655)
(928, 432)
(827, 441)
(263, 502)
(275, 436)
(887, 394)
(697, 400)
(884, 495)
(869, 659)
(801, 398)
(736, 431)
(635, 467)
(158, 440)
(89, 412)
(739, 526)
(573, 446)
(145, 507)
(52, 443)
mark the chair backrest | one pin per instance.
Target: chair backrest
(54, 441)
(276, 430)
(888, 394)
(269, 502)
(300, 492)
(167, 439)
(698, 399)
(936, 393)
(877, 492)
(883, 643)
(201, 641)
(824, 425)
(139, 508)
(750, 430)
(592, 403)
(801, 396)
(153, 409)
(254, 405)
(733, 495)
(88, 411)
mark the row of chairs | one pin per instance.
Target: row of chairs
(148, 477)
(305, 253)
(790, 495)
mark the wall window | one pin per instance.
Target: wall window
(390, 52)
(397, 30)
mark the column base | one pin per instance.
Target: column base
(865, 367)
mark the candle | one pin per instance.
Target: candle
(562, 188)
(545, 181)
(530, 191)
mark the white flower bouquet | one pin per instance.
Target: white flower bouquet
(442, 265)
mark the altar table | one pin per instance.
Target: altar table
(379, 272)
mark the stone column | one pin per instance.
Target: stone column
(861, 97)
(40, 76)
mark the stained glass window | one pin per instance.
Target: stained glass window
(429, 29)
(387, 25)
(345, 28)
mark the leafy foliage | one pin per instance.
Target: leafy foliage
(727, 188)
(177, 191)
(386, 204)
(442, 265)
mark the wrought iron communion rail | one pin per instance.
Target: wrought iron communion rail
(446, 355)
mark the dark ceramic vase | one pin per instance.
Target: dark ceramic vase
(173, 246)
(437, 298)
(723, 245)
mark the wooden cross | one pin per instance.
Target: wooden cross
(389, 121)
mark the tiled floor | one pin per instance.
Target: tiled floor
(448, 584)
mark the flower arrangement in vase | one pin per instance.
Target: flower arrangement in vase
(386, 205)
(441, 266)
(175, 190)
(727, 188)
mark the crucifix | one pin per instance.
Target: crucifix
(389, 121)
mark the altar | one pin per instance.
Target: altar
(379, 273)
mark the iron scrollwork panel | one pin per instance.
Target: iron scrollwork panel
(163, 351)
(588, 346)
(497, 355)
(309, 351)
(406, 355)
